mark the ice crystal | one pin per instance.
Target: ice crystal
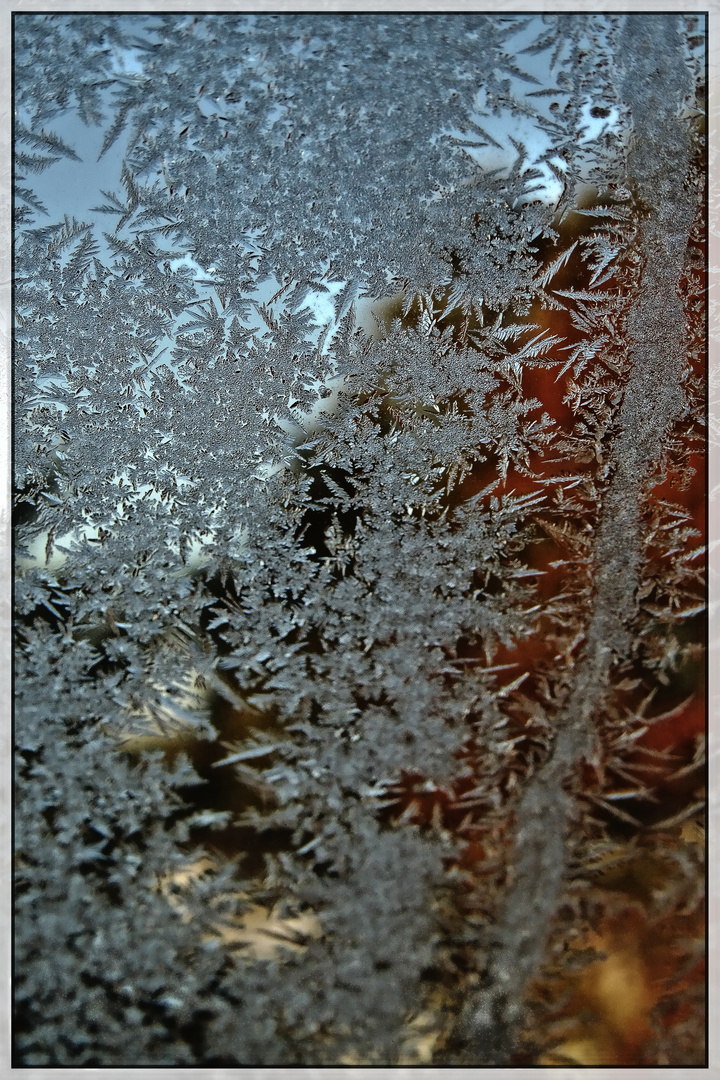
(358, 391)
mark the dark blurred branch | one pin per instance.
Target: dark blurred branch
(654, 86)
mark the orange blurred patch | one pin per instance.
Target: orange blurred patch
(607, 1014)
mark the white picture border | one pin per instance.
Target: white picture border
(410, 6)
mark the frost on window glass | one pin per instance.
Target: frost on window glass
(359, 473)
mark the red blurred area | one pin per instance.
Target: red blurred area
(609, 1008)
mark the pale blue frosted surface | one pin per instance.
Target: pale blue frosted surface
(309, 309)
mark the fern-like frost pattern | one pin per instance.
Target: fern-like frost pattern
(359, 598)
